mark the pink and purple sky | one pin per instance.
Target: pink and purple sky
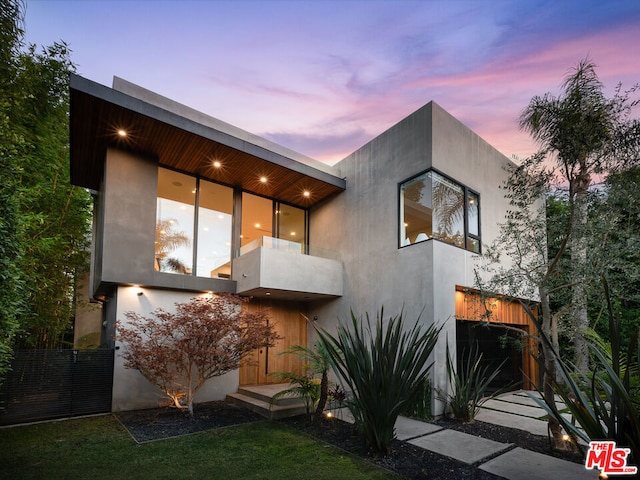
(324, 77)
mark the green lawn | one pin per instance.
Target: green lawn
(100, 448)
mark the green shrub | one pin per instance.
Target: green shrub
(419, 406)
(312, 390)
(383, 366)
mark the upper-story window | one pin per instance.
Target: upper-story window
(435, 206)
(193, 226)
(264, 217)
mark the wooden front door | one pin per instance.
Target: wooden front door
(291, 325)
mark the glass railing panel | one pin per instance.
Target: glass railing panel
(289, 246)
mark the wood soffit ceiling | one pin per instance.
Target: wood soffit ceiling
(98, 112)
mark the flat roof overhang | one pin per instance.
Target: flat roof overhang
(98, 112)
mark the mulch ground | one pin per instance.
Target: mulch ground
(405, 459)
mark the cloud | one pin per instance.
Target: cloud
(328, 148)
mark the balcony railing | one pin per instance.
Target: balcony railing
(289, 246)
(287, 270)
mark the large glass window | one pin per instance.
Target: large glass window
(194, 225)
(215, 216)
(434, 206)
(263, 217)
(180, 196)
(174, 222)
(473, 222)
(257, 218)
(291, 224)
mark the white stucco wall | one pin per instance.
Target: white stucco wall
(131, 391)
(362, 225)
(276, 269)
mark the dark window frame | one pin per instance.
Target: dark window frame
(467, 191)
(236, 216)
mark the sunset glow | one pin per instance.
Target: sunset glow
(325, 77)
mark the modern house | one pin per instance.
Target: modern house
(187, 205)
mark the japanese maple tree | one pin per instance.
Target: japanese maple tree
(205, 338)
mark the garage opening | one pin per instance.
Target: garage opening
(495, 326)
(496, 345)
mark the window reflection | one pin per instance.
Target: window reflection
(174, 222)
(257, 217)
(473, 222)
(215, 215)
(433, 206)
(291, 224)
(448, 210)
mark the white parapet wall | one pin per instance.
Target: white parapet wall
(286, 270)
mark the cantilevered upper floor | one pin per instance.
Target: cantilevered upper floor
(179, 194)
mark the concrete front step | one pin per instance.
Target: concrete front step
(267, 392)
(257, 398)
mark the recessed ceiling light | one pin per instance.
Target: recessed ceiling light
(263, 179)
(122, 133)
(306, 193)
(217, 164)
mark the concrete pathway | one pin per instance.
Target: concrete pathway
(515, 410)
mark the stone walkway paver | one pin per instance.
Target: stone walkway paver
(515, 408)
(521, 464)
(409, 428)
(531, 425)
(461, 446)
(502, 459)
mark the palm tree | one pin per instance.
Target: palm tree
(576, 131)
(167, 241)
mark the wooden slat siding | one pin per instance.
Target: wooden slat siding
(178, 149)
(289, 324)
(471, 306)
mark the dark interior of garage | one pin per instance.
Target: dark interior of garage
(496, 344)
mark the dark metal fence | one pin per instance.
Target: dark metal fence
(49, 384)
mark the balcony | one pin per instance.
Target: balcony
(280, 269)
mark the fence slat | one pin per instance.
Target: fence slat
(48, 384)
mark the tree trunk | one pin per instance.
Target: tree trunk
(324, 395)
(549, 366)
(578, 262)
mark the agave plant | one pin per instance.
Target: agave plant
(419, 406)
(469, 384)
(382, 366)
(601, 402)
